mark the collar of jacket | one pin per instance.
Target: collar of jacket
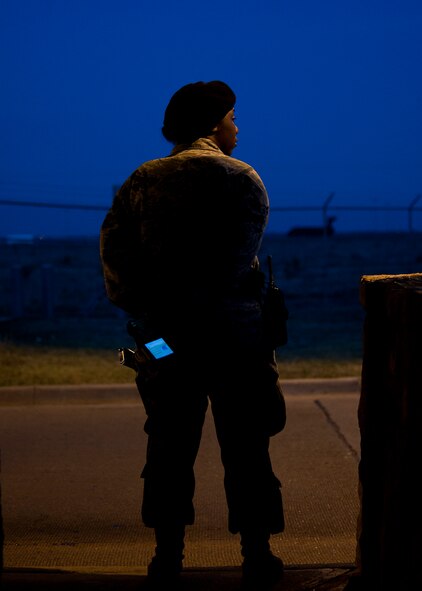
(203, 143)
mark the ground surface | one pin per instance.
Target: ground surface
(319, 275)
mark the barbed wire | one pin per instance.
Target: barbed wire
(55, 205)
(327, 208)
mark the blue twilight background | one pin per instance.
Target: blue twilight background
(329, 100)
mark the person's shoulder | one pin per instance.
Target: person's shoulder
(241, 168)
(145, 169)
(152, 164)
(238, 170)
(239, 165)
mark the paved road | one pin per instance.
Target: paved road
(71, 490)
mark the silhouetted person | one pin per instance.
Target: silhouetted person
(179, 251)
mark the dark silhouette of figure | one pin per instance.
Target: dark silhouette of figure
(327, 230)
(179, 250)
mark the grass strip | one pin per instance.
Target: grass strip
(24, 365)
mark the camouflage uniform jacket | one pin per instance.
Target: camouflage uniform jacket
(181, 240)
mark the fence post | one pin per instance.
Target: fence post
(324, 212)
(17, 291)
(410, 211)
(47, 281)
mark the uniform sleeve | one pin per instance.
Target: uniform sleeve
(118, 252)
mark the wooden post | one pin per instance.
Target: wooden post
(1, 525)
(389, 539)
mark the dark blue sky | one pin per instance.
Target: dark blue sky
(329, 99)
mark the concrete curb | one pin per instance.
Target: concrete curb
(128, 394)
(321, 386)
(65, 394)
(316, 577)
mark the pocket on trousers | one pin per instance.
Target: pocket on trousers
(275, 410)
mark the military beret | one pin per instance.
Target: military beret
(195, 109)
